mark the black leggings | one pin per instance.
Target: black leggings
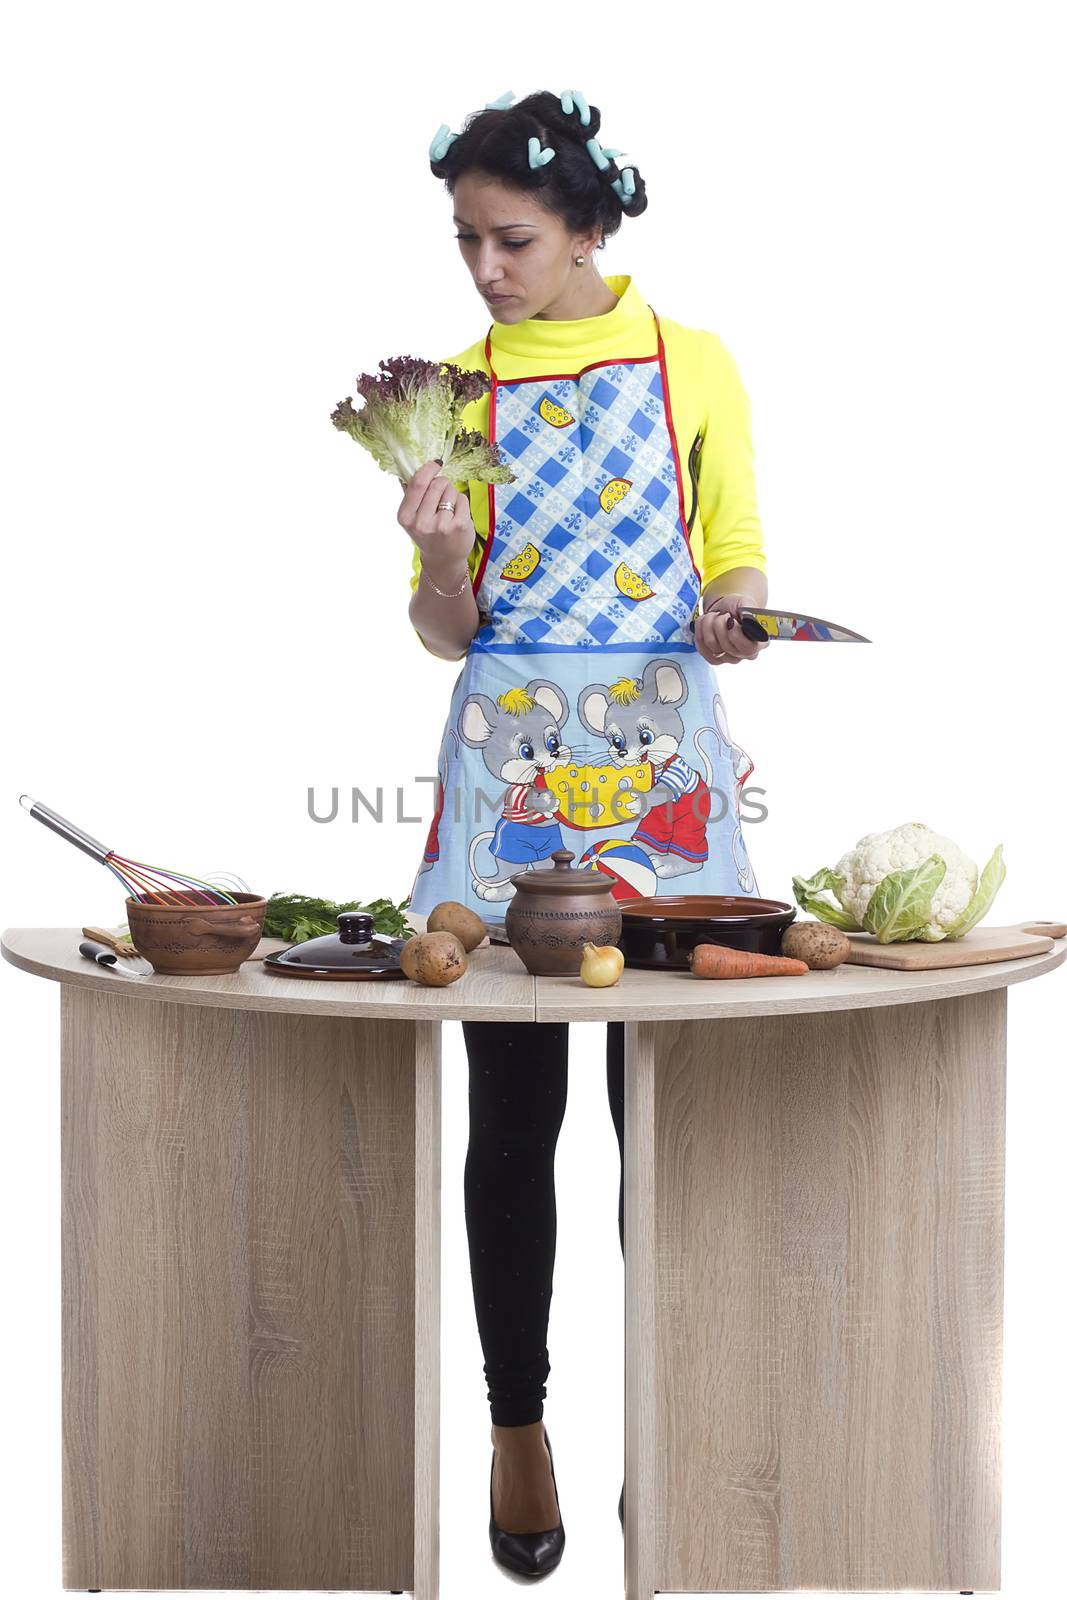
(517, 1096)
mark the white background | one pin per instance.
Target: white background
(219, 215)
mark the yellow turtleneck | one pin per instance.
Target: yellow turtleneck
(707, 398)
(539, 342)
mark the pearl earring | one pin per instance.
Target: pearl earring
(580, 262)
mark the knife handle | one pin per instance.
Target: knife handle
(751, 628)
(97, 952)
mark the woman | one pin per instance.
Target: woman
(574, 594)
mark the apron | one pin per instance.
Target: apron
(584, 718)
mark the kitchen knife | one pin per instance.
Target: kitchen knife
(109, 961)
(759, 625)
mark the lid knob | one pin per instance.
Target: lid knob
(562, 858)
(356, 926)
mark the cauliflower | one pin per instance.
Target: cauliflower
(878, 854)
(909, 883)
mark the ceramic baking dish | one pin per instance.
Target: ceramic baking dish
(662, 930)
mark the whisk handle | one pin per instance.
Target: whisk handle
(65, 829)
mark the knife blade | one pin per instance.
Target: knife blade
(759, 624)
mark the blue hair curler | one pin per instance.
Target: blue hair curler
(600, 155)
(441, 141)
(537, 156)
(568, 98)
(624, 185)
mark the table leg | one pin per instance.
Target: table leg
(814, 1258)
(250, 1311)
(639, 1229)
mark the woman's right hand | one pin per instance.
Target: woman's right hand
(445, 538)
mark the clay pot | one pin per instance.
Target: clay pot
(555, 910)
(182, 941)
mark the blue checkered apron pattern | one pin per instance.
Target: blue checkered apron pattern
(587, 592)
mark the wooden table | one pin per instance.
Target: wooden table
(814, 1214)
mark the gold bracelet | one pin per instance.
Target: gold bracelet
(443, 593)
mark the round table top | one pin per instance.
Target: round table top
(497, 987)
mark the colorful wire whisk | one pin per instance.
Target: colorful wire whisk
(148, 884)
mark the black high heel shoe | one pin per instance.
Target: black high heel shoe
(622, 1491)
(530, 1554)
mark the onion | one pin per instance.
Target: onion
(602, 965)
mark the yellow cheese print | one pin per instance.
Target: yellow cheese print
(551, 413)
(630, 583)
(520, 566)
(614, 490)
(592, 796)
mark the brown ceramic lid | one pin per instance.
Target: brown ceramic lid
(351, 951)
(562, 878)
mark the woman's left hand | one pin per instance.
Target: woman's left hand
(718, 634)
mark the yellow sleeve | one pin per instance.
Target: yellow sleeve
(726, 483)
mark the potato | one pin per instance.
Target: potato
(450, 916)
(816, 943)
(433, 958)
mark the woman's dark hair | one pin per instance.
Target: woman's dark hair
(571, 185)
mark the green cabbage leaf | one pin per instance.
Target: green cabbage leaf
(993, 875)
(900, 907)
(809, 894)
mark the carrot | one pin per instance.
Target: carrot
(720, 961)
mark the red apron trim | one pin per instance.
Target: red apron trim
(476, 585)
(674, 450)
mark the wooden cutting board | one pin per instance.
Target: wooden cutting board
(981, 944)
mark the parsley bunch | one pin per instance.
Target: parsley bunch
(297, 917)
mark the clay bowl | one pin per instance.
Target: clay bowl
(662, 930)
(182, 941)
